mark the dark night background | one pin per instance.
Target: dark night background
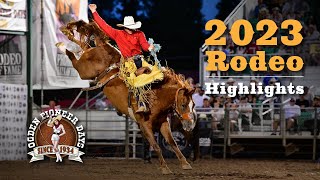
(178, 26)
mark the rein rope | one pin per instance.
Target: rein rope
(101, 75)
(174, 106)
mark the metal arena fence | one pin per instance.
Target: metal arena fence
(222, 130)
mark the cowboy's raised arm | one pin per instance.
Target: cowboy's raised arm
(49, 123)
(110, 31)
(144, 43)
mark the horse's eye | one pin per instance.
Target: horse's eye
(183, 106)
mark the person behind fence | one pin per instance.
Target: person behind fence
(291, 113)
(100, 104)
(233, 116)
(245, 110)
(302, 102)
(309, 124)
(205, 116)
(130, 41)
(199, 97)
(217, 115)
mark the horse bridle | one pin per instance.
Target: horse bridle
(175, 104)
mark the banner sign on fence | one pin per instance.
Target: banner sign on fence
(13, 119)
(13, 15)
(57, 69)
(12, 59)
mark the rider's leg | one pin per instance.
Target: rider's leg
(141, 105)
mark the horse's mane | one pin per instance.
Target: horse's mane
(179, 78)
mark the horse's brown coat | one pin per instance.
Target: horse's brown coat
(95, 60)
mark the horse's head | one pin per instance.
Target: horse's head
(86, 31)
(184, 108)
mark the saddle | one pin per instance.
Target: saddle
(142, 70)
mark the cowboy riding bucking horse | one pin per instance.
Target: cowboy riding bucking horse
(130, 41)
(136, 87)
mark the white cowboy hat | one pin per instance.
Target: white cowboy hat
(128, 22)
(230, 80)
(51, 121)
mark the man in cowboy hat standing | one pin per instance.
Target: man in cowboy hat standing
(130, 40)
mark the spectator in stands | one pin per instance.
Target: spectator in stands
(217, 115)
(276, 16)
(259, 7)
(309, 123)
(245, 111)
(291, 113)
(52, 105)
(252, 48)
(230, 82)
(233, 117)
(100, 104)
(198, 87)
(313, 34)
(199, 97)
(228, 101)
(308, 95)
(291, 15)
(302, 6)
(264, 13)
(288, 9)
(302, 102)
(219, 101)
(270, 75)
(316, 105)
(282, 50)
(204, 113)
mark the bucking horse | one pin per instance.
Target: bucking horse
(100, 61)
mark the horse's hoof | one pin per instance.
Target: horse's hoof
(61, 46)
(186, 167)
(166, 171)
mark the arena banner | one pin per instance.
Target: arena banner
(13, 15)
(12, 59)
(56, 67)
(13, 118)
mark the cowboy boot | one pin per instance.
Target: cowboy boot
(60, 158)
(142, 108)
(58, 155)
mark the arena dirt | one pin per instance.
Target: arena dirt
(102, 168)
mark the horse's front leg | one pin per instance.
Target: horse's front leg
(148, 133)
(166, 132)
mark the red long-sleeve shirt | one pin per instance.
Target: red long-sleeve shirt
(129, 44)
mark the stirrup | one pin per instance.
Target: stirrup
(141, 109)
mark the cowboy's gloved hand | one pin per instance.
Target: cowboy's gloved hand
(93, 7)
(151, 47)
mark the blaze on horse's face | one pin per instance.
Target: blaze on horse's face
(185, 108)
